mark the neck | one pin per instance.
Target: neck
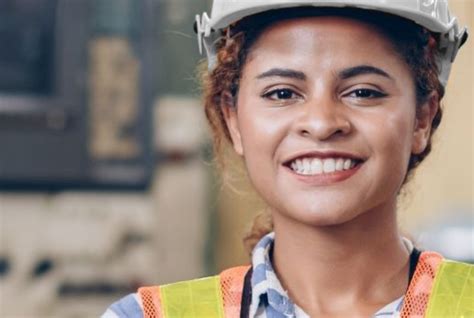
(338, 266)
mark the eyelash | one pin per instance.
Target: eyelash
(364, 91)
(360, 93)
(292, 93)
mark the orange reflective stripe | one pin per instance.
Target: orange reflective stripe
(151, 301)
(232, 285)
(419, 291)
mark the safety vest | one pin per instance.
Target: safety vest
(438, 288)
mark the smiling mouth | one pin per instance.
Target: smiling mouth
(318, 166)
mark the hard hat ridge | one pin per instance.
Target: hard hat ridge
(433, 15)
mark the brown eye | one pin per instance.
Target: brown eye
(280, 94)
(366, 93)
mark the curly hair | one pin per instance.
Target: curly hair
(414, 44)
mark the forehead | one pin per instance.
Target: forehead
(323, 24)
(331, 36)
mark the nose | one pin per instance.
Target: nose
(323, 119)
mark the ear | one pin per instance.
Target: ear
(423, 124)
(229, 110)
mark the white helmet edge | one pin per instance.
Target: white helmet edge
(434, 15)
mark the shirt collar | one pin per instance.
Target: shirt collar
(268, 293)
(266, 288)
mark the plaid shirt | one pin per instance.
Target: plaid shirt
(270, 300)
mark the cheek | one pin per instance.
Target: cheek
(262, 132)
(261, 129)
(392, 137)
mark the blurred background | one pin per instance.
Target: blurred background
(106, 174)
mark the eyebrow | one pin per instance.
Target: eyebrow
(344, 74)
(282, 72)
(362, 70)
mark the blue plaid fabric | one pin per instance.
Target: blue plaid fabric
(270, 300)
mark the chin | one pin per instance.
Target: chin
(320, 216)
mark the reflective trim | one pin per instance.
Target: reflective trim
(453, 291)
(201, 298)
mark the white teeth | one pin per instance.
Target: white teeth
(294, 166)
(298, 166)
(307, 166)
(347, 164)
(329, 165)
(316, 166)
(339, 164)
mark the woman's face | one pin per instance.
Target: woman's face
(326, 119)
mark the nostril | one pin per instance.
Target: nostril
(43, 267)
(305, 133)
(4, 266)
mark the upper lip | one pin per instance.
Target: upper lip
(323, 155)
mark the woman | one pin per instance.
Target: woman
(331, 105)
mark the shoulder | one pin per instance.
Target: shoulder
(454, 275)
(436, 263)
(224, 289)
(431, 267)
(228, 281)
(442, 286)
(129, 306)
(451, 295)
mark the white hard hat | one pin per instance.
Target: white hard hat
(433, 15)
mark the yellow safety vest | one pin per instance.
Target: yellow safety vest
(439, 289)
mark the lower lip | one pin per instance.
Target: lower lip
(326, 178)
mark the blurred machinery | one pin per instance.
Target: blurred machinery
(76, 93)
(81, 253)
(71, 254)
(78, 127)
